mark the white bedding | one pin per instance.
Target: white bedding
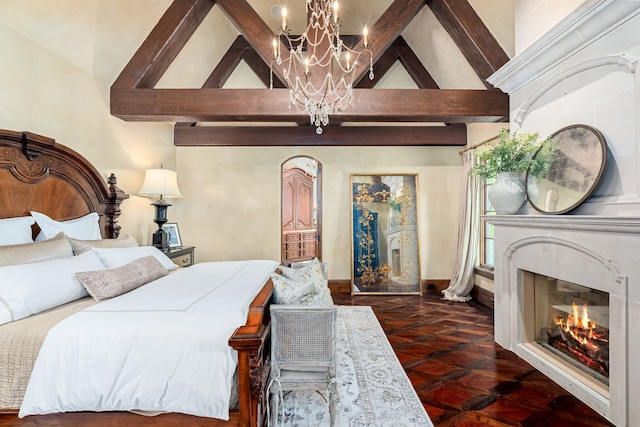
(162, 347)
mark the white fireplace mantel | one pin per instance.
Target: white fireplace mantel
(608, 224)
(594, 251)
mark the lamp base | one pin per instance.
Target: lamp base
(160, 240)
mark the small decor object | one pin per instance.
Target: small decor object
(173, 234)
(567, 169)
(384, 236)
(506, 160)
(160, 182)
(506, 194)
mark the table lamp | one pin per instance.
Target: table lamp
(164, 183)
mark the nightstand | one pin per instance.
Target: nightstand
(182, 256)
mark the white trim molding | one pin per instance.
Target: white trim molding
(628, 63)
(588, 23)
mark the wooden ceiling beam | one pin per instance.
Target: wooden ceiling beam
(252, 28)
(384, 32)
(163, 44)
(264, 105)
(270, 136)
(400, 51)
(474, 39)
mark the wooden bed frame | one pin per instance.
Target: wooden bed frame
(38, 174)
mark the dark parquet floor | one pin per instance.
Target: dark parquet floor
(462, 376)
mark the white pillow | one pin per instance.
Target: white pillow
(15, 231)
(84, 228)
(117, 257)
(28, 289)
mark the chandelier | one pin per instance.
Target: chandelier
(318, 67)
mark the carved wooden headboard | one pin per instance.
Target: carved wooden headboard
(38, 174)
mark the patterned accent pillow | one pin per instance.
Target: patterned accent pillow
(57, 247)
(288, 291)
(82, 246)
(105, 284)
(312, 272)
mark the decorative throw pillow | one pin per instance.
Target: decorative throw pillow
(116, 257)
(289, 291)
(82, 246)
(312, 272)
(15, 231)
(28, 289)
(85, 228)
(105, 284)
(55, 248)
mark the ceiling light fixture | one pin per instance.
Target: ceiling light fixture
(319, 69)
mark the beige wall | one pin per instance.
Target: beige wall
(231, 204)
(41, 93)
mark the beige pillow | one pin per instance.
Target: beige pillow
(105, 284)
(55, 248)
(82, 246)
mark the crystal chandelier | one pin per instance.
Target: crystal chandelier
(312, 61)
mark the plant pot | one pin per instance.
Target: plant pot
(507, 194)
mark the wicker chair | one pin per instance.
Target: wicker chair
(303, 344)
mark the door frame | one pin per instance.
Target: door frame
(318, 202)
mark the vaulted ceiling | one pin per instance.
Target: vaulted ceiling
(401, 113)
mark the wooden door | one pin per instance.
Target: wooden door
(299, 228)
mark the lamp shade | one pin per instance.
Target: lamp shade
(160, 182)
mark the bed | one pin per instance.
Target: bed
(39, 174)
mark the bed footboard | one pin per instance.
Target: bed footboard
(252, 343)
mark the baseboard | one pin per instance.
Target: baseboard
(340, 286)
(482, 296)
(427, 285)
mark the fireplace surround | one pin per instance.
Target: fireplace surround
(583, 70)
(600, 253)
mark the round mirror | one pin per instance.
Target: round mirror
(566, 170)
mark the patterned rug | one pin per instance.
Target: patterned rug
(374, 389)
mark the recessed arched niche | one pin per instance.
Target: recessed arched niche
(301, 209)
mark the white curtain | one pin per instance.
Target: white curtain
(468, 235)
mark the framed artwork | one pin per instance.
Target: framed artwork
(384, 234)
(173, 234)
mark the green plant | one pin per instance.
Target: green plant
(511, 153)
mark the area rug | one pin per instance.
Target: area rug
(374, 389)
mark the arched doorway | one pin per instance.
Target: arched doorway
(301, 209)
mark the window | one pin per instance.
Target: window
(487, 255)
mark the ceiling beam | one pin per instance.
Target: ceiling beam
(472, 37)
(400, 51)
(264, 105)
(252, 28)
(163, 44)
(384, 32)
(246, 136)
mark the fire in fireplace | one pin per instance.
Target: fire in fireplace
(572, 323)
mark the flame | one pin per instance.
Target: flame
(579, 326)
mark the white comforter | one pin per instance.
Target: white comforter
(162, 347)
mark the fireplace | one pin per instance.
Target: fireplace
(571, 322)
(549, 268)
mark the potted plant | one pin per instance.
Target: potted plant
(505, 161)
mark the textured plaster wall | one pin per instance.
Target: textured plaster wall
(42, 93)
(231, 208)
